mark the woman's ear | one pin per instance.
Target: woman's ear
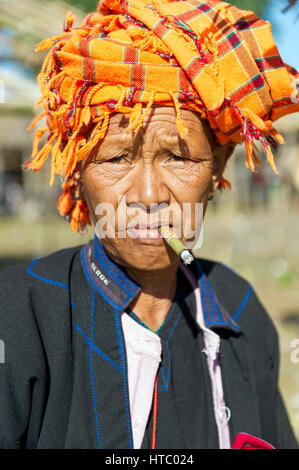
(221, 155)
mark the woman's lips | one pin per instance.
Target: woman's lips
(146, 235)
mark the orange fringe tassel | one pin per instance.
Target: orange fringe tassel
(66, 200)
(80, 217)
(75, 210)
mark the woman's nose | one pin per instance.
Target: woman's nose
(148, 187)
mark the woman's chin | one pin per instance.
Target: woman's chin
(138, 253)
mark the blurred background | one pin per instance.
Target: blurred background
(254, 228)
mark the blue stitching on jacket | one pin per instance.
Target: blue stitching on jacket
(132, 314)
(49, 281)
(95, 348)
(165, 386)
(93, 283)
(90, 363)
(126, 300)
(209, 292)
(118, 275)
(206, 287)
(116, 310)
(123, 366)
(243, 303)
(118, 282)
(203, 294)
(169, 313)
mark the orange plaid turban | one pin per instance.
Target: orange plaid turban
(209, 57)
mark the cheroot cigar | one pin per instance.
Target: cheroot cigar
(176, 244)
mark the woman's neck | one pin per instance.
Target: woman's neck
(157, 293)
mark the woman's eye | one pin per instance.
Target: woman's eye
(118, 159)
(177, 158)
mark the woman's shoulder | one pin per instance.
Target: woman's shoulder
(239, 297)
(223, 278)
(52, 268)
(35, 296)
(221, 271)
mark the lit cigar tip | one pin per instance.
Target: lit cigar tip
(176, 244)
(186, 257)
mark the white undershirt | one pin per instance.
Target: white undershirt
(143, 348)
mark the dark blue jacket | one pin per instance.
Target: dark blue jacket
(64, 384)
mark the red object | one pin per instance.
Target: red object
(155, 414)
(246, 441)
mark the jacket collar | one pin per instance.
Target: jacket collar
(119, 290)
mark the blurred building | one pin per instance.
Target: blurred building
(22, 26)
(252, 190)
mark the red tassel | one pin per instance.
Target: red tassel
(223, 184)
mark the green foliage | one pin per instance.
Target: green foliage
(85, 5)
(287, 279)
(257, 6)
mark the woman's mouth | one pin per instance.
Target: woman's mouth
(146, 235)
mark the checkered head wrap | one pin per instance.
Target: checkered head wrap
(210, 57)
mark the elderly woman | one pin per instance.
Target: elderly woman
(119, 343)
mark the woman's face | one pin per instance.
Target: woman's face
(147, 177)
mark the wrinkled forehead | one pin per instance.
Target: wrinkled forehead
(160, 124)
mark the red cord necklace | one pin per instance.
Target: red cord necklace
(155, 414)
